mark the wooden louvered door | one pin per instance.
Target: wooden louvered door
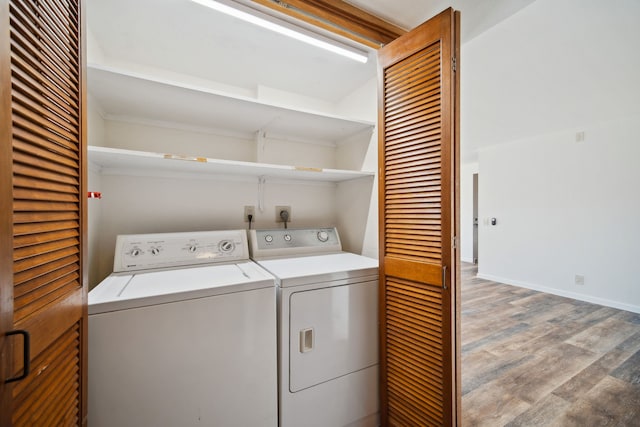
(43, 149)
(418, 155)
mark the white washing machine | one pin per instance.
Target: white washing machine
(183, 333)
(327, 327)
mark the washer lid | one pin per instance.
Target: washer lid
(119, 292)
(306, 270)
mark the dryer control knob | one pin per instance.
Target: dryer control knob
(287, 237)
(226, 246)
(135, 252)
(323, 236)
(193, 248)
(155, 251)
(268, 238)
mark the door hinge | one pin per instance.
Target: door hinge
(454, 242)
(454, 64)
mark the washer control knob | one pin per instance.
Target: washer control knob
(323, 236)
(135, 252)
(287, 237)
(268, 238)
(193, 248)
(226, 246)
(155, 251)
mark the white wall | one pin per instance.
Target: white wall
(529, 84)
(95, 136)
(565, 208)
(357, 200)
(166, 138)
(132, 205)
(555, 65)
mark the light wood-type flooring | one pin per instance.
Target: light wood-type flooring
(535, 359)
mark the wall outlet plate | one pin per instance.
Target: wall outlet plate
(280, 209)
(579, 279)
(249, 210)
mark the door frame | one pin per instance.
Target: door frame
(6, 220)
(476, 219)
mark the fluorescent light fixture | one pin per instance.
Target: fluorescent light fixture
(250, 15)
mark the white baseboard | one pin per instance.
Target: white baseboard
(562, 293)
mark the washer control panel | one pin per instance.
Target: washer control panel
(145, 251)
(283, 242)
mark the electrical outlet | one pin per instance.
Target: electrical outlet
(280, 209)
(579, 136)
(249, 210)
(579, 279)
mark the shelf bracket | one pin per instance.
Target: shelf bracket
(261, 145)
(261, 181)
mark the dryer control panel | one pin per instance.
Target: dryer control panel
(293, 242)
(145, 251)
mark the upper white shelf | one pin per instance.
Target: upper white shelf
(114, 161)
(128, 94)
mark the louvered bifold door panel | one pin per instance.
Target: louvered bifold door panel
(414, 357)
(413, 214)
(51, 399)
(416, 227)
(48, 294)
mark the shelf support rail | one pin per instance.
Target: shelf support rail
(261, 181)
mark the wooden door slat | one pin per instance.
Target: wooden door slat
(44, 38)
(46, 175)
(38, 64)
(23, 253)
(400, 69)
(44, 137)
(52, 120)
(36, 228)
(25, 91)
(46, 79)
(415, 105)
(24, 81)
(43, 259)
(43, 150)
(42, 280)
(27, 217)
(38, 238)
(26, 205)
(63, 289)
(35, 272)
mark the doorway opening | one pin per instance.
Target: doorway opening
(475, 218)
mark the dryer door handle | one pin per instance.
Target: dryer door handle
(306, 340)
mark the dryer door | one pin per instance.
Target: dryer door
(333, 332)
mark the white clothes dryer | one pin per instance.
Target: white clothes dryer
(327, 327)
(183, 333)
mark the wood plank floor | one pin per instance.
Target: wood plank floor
(535, 359)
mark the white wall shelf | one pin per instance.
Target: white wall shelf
(114, 161)
(123, 93)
